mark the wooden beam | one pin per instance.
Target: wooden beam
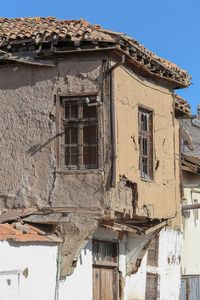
(153, 228)
(13, 215)
(44, 219)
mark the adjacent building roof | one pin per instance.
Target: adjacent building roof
(191, 157)
(43, 30)
(25, 233)
(182, 107)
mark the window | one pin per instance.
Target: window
(145, 143)
(152, 292)
(104, 251)
(152, 254)
(79, 132)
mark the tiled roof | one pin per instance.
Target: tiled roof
(39, 30)
(42, 29)
(25, 233)
(182, 105)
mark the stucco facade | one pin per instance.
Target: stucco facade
(157, 198)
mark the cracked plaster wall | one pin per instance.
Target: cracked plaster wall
(160, 197)
(28, 174)
(28, 142)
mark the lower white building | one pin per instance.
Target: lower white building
(190, 268)
(111, 266)
(100, 273)
(28, 263)
(191, 246)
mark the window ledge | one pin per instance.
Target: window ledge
(75, 171)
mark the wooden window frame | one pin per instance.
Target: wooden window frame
(80, 122)
(99, 262)
(145, 141)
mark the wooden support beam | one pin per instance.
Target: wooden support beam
(153, 228)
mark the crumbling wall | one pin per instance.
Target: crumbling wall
(157, 198)
(28, 171)
(136, 249)
(28, 174)
(123, 197)
(81, 229)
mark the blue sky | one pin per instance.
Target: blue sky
(170, 28)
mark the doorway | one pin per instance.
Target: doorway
(105, 270)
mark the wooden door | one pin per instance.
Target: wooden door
(105, 271)
(105, 283)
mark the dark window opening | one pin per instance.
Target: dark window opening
(145, 129)
(80, 133)
(104, 251)
(152, 288)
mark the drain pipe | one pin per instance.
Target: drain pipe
(113, 119)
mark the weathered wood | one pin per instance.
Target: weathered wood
(72, 209)
(12, 215)
(153, 228)
(44, 219)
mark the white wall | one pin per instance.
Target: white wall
(79, 284)
(191, 234)
(38, 260)
(169, 264)
(168, 270)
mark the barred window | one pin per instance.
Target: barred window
(145, 120)
(152, 287)
(79, 132)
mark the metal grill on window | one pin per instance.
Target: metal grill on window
(80, 133)
(152, 254)
(152, 287)
(145, 143)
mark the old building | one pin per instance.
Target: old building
(190, 205)
(89, 147)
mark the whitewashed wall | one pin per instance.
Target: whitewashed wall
(169, 264)
(79, 284)
(191, 234)
(27, 272)
(168, 269)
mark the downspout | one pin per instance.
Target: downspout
(113, 119)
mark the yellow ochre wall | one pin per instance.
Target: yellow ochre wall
(160, 197)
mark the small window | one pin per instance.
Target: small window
(152, 254)
(145, 130)
(80, 133)
(152, 288)
(104, 251)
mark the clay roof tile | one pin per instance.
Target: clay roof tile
(39, 29)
